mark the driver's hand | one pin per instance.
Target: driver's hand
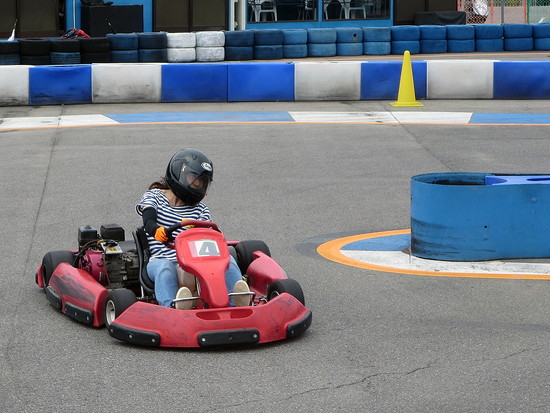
(161, 235)
(186, 226)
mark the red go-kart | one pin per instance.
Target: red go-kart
(105, 282)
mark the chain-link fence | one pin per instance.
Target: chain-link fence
(505, 11)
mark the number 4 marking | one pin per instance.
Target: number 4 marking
(206, 248)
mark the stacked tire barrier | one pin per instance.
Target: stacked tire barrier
(349, 41)
(210, 46)
(239, 45)
(268, 44)
(152, 47)
(541, 37)
(270, 81)
(489, 38)
(321, 42)
(405, 38)
(460, 38)
(376, 41)
(9, 52)
(518, 37)
(65, 52)
(181, 47)
(294, 43)
(95, 50)
(433, 39)
(124, 47)
(35, 51)
(274, 44)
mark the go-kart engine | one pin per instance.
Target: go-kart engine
(109, 258)
(121, 266)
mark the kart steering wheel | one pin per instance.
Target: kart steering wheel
(193, 223)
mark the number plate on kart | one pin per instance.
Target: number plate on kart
(204, 248)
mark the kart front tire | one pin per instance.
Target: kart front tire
(286, 286)
(116, 303)
(245, 249)
(51, 260)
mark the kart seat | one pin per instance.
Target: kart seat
(142, 247)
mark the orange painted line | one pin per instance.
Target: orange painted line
(331, 251)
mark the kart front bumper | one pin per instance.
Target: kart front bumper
(152, 325)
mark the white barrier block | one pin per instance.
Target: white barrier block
(328, 80)
(131, 83)
(14, 85)
(460, 79)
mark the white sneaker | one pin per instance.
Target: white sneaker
(241, 300)
(184, 292)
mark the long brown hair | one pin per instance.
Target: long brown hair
(160, 184)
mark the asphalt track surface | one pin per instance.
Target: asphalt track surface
(379, 342)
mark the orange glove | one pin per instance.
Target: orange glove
(161, 235)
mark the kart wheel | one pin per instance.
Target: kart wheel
(286, 286)
(51, 260)
(116, 303)
(244, 252)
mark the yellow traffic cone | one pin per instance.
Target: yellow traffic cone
(406, 96)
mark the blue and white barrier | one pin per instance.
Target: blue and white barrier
(270, 81)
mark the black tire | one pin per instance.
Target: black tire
(35, 60)
(65, 45)
(123, 41)
(95, 44)
(152, 55)
(51, 260)
(64, 58)
(9, 47)
(117, 302)
(245, 249)
(101, 57)
(34, 47)
(286, 286)
(152, 40)
(10, 59)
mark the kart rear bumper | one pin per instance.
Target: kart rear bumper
(151, 325)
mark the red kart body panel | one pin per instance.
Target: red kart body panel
(205, 253)
(80, 295)
(149, 324)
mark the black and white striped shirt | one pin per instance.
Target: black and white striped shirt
(168, 215)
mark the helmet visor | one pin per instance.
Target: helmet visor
(196, 182)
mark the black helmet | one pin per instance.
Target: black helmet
(188, 175)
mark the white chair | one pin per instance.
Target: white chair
(309, 7)
(326, 3)
(264, 7)
(350, 7)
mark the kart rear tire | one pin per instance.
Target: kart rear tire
(286, 286)
(245, 249)
(51, 260)
(117, 302)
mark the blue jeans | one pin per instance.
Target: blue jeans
(163, 273)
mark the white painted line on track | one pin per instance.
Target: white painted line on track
(55, 121)
(433, 117)
(404, 261)
(343, 117)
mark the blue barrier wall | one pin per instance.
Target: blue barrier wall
(457, 217)
(268, 81)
